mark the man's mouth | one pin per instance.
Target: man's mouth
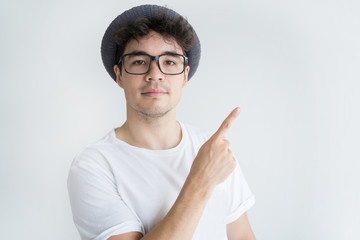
(153, 93)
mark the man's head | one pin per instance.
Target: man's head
(176, 29)
(151, 52)
(138, 22)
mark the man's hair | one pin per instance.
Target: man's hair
(176, 28)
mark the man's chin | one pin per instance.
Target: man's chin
(153, 112)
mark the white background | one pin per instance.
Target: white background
(292, 66)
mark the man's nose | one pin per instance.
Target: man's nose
(154, 72)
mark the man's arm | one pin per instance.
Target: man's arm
(212, 165)
(240, 229)
(127, 236)
(181, 221)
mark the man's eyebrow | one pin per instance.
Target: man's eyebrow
(138, 53)
(172, 53)
(145, 53)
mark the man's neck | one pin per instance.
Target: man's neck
(151, 133)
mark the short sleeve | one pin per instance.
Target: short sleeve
(98, 210)
(240, 198)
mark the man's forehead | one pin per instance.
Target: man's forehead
(153, 43)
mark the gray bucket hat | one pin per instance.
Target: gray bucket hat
(109, 47)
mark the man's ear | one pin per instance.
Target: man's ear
(186, 75)
(118, 76)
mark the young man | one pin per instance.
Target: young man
(154, 177)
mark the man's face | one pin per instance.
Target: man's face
(153, 94)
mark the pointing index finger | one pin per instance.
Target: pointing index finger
(226, 124)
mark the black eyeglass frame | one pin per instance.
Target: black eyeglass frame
(152, 58)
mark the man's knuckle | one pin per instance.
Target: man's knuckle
(226, 125)
(212, 144)
(232, 163)
(224, 147)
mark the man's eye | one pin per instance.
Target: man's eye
(139, 62)
(169, 62)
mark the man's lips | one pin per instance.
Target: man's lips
(153, 93)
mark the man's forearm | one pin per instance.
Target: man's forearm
(181, 221)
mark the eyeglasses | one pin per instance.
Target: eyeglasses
(169, 63)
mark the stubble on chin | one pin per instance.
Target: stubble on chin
(150, 114)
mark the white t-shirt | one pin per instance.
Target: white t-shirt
(116, 188)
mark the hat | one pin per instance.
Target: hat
(109, 46)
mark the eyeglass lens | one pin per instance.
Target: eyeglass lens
(140, 64)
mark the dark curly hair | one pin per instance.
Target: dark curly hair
(169, 27)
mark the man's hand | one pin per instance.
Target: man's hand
(214, 161)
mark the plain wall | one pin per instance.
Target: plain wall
(292, 66)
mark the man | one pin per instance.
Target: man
(154, 177)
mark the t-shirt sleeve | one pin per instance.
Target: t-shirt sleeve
(98, 210)
(240, 198)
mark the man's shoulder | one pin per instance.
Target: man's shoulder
(95, 149)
